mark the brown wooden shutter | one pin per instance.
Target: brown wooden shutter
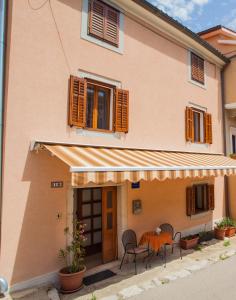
(208, 128)
(97, 11)
(121, 111)
(197, 68)
(190, 201)
(112, 21)
(78, 98)
(189, 127)
(211, 197)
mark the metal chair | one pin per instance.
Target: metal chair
(169, 228)
(129, 241)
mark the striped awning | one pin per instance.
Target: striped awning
(101, 165)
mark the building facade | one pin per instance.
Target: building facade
(113, 116)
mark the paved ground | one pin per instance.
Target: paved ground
(217, 282)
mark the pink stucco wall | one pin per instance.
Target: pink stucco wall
(152, 68)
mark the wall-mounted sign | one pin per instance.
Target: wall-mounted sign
(135, 185)
(56, 184)
(137, 206)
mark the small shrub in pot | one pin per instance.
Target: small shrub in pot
(189, 241)
(220, 229)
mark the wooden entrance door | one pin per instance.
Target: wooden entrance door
(109, 224)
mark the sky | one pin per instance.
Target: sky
(198, 15)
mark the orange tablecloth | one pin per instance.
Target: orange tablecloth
(155, 241)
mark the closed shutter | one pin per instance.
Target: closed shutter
(208, 128)
(77, 105)
(189, 127)
(190, 201)
(104, 22)
(197, 68)
(211, 197)
(97, 12)
(121, 111)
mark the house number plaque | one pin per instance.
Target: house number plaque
(56, 184)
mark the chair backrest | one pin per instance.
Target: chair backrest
(167, 228)
(129, 239)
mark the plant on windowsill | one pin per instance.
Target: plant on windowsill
(220, 229)
(189, 242)
(71, 276)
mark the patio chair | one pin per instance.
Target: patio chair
(129, 241)
(169, 228)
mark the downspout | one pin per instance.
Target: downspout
(226, 180)
(3, 21)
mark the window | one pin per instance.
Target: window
(200, 198)
(99, 106)
(233, 144)
(197, 69)
(198, 126)
(103, 22)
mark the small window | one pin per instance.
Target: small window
(104, 22)
(98, 112)
(234, 144)
(200, 198)
(198, 124)
(197, 69)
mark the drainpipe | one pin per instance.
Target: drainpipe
(3, 21)
(226, 179)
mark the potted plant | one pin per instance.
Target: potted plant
(189, 242)
(71, 276)
(230, 227)
(220, 230)
(205, 236)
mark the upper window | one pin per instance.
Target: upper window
(104, 22)
(197, 69)
(198, 126)
(99, 106)
(200, 198)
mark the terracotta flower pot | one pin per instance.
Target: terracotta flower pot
(189, 244)
(71, 282)
(230, 231)
(220, 233)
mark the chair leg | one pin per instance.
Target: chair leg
(172, 248)
(165, 255)
(180, 252)
(135, 263)
(122, 260)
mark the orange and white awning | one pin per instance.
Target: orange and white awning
(101, 165)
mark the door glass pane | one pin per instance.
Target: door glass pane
(88, 239)
(97, 208)
(97, 223)
(109, 220)
(89, 108)
(86, 195)
(103, 109)
(87, 223)
(97, 237)
(109, 199)
(86, 210)
(97, 194)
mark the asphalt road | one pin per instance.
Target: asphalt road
(216, 282)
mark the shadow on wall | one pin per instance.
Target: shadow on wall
(41, 234)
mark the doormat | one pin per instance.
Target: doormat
(98, 277)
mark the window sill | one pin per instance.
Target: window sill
(201, 215)
(203, 86)
(98, 133)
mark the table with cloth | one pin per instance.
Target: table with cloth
(156, 241)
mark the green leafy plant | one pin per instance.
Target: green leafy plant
(226, 243)
(190, 237)
(74, 253)
(221, 224)
(93, 297)
(198, 247)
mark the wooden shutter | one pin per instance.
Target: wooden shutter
(189, 127)
(211, 197)
(97, 12)
(112, 21)
(121, 111)
(78, 98)
(197, 68)
(104, 22)
(190, 201)
(208, 128)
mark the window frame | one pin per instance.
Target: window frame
(191, 80)
(201, 126)
(111, 88)
(204, 201)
